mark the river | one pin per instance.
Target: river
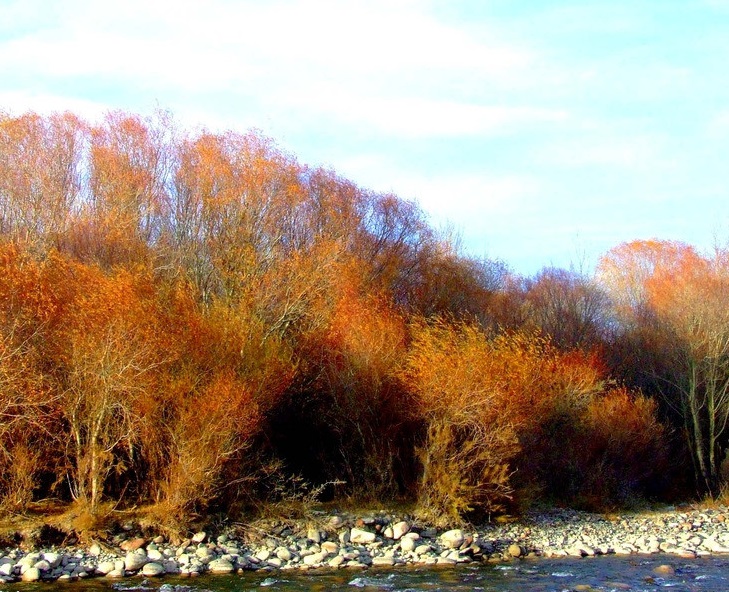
(611, 573)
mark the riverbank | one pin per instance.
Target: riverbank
(340, 541)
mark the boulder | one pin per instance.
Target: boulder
(399, 529)
(135, 561)
(221, 566)
(452, 539)
(132, 544)
(153, 569)
(32, 574)
(199, 537)
(361, 537)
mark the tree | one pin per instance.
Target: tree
(678, 297)
(567, 307)
(40, 181)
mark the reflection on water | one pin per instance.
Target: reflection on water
(636, 573)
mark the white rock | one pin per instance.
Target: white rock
(153, 569)
(95, 550)
(313, 535)
(336, 561)
(221, 566)
(399, 529)
(32, 574)
(283, 554)
(407, 545)
(154, 555)
(6, 569)
(43, 565)
(105, 567)
(53, 559)
(361, 537)
(386, 560)
(263, 554)
(199, 537)
(330, 547)
(452, 538)
(116, 573)
(134, 561)
(315, 558)
(422, 549)
(336, 521)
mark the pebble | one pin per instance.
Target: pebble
(558, 533)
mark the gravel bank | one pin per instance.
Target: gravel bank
(341, 541)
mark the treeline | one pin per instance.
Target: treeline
(196, 320)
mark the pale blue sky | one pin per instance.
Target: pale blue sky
(544, 131)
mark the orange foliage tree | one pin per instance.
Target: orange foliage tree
(678, 297)
(40, 179)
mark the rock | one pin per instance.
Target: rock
(54, 559)
(383, 561)
(263, 554)
(116, 573)
(399, 529)
(335, 521)
(152, 569)
(422, 549)
(515, 550)
(361, 537)
(407, 545)
(105, 567)
(283, 554)
(134, 561)
(336, 561)
(387, 533)
(313, 535)
(132, 544)
(204, 554)
(199, 537)
(452, 539)
(446, 561)
(6, 569)
(154, 555)
(221, 566)
(42, 565)
(32, 574)
(315, 558)
(330, 547)
(664, 569)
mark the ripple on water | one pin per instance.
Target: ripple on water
(385, 583)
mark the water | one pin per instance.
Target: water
(544, 575)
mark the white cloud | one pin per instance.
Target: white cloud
(220, 43)
(18, 102)
(604, 148)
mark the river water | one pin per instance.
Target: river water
(608, 573)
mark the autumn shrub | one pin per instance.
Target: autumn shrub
(354, 414)
(627, 448)
(597, 447)
(470, 418)
(28, 438)
(225, 378)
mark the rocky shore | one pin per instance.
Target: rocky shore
(380, 539)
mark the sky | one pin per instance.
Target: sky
(543, 132)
